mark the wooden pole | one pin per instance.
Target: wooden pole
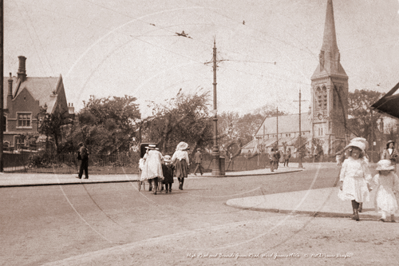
(1, 84)
(300, 133)
(277, 125)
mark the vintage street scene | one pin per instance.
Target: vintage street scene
(196, 132)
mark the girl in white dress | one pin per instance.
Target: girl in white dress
(387, 184)
(355, 176)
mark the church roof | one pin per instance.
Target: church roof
(286, 124)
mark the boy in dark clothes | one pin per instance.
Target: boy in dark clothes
(167, 169)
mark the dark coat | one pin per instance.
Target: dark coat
(167, 173)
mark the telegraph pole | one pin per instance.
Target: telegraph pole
(277, 124)
(215, 150)
(1, 83)
(300, 132)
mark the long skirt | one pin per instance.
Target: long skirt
(385, 200)
(181, 168)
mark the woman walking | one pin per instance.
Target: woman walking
(355, 176)
(181, 161)
(390, 153)
(152, 170)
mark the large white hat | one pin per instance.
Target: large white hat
(360, 143)
(385, 165)
(182, 146)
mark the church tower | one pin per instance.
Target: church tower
(329, 85)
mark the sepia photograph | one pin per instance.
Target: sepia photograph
(199, 132)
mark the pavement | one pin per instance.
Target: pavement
(314, 202)
(8, 179)
(323, 202)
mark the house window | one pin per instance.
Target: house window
(24, 120)
(4, 124)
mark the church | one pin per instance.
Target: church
(327, 115)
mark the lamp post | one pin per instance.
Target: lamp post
(1, 82)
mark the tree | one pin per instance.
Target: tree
(361, 121)
(107, 125)
(182, 118)
(227, 127)
(51, 125)
(248, 124)
(301, 149)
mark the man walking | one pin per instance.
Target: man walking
(83, 156)
(198, 161)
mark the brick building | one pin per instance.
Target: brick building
(23, 99)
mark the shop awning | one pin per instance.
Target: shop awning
(389, 103)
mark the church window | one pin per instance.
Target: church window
(324, 98)
(318, 99)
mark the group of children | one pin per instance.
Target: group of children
(357, 182)
(161, 170)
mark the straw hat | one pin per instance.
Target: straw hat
(152, 146)
(385, 165)
(182, 146)
(360, 143)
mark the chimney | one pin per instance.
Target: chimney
(71, 110)
(10, 86)
(21, 69)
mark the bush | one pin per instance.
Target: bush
(40, 159)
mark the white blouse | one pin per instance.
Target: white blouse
(180, 155)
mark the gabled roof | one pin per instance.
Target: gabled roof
(41, 89)
(286, 124)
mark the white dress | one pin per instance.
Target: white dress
(355, 175)
(385, 199)
(152, 166)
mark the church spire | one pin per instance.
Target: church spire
(329, 57)
(329, 38)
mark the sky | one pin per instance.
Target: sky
(268, 49)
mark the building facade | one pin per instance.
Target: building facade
(327, 115)
(329, 87)
(24, 98)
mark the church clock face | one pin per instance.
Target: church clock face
(320, 116)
